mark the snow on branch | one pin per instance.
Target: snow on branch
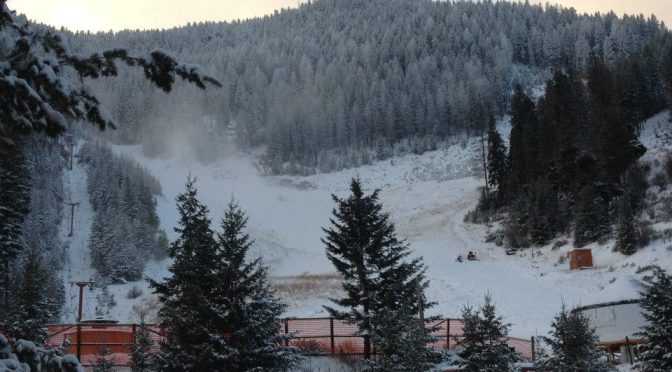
(35, 95)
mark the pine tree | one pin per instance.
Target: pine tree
(249, 309)
(626, 237)
(31, 310)
(591, 222)
(141, 350)
(25, 356)
(496, 158)
(656, 304)
(400, 343)
(485, 337)
(36, 98)
(219, 310)
(573, 345)
(14, 198)
(104, 361)
(192, 342)
(543, 221)
(362, 245)
(523, 158)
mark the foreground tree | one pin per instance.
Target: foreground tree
(35, 94)
(400, 343)
(249, 307)
(573, 345)
(14, 205)
(192, 341)
(141, 350)
(485, 339)
(363, 246)
(219, 311)
(656, 303)
(33, 306)
(104, 361)
(25, 356)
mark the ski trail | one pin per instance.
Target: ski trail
(78, 259)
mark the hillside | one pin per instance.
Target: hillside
(337, 84)
(427, 196)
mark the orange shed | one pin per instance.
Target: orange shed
(580, 258)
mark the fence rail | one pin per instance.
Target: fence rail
(314, 336)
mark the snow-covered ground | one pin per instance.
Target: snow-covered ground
(78, 260)
(427, 197)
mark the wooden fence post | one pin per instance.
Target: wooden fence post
(79, 342)
(448, 334)
(331, 334)
(133, 337)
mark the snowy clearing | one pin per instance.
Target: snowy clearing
(427, 197)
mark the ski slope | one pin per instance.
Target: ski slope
(78, 260)
(427, 197)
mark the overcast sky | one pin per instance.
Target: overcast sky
(96, 15)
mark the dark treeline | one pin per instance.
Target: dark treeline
(339, 83)
(125, 229)
(572, 162)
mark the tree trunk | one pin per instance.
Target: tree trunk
(5, 285)
(366, 324)
(485, 165)
(367, 347)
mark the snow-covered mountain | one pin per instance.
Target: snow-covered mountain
(427, 197)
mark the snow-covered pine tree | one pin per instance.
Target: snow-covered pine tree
(33, 306)
(249, 311)
(656, 303)
(400, 343)
(141, 350)
(626, 237)
(485, 339)
(125, 224)
(363, 246)
(36, 95)
(573, 345)
(193, 342)
(25, 356)
(14, 196)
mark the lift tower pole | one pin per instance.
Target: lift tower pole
(72, 215)
(81, 286)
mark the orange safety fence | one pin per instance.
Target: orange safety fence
(87, 340)
(314, 336)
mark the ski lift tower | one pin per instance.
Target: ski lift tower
(81, 286)
(70, 143)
